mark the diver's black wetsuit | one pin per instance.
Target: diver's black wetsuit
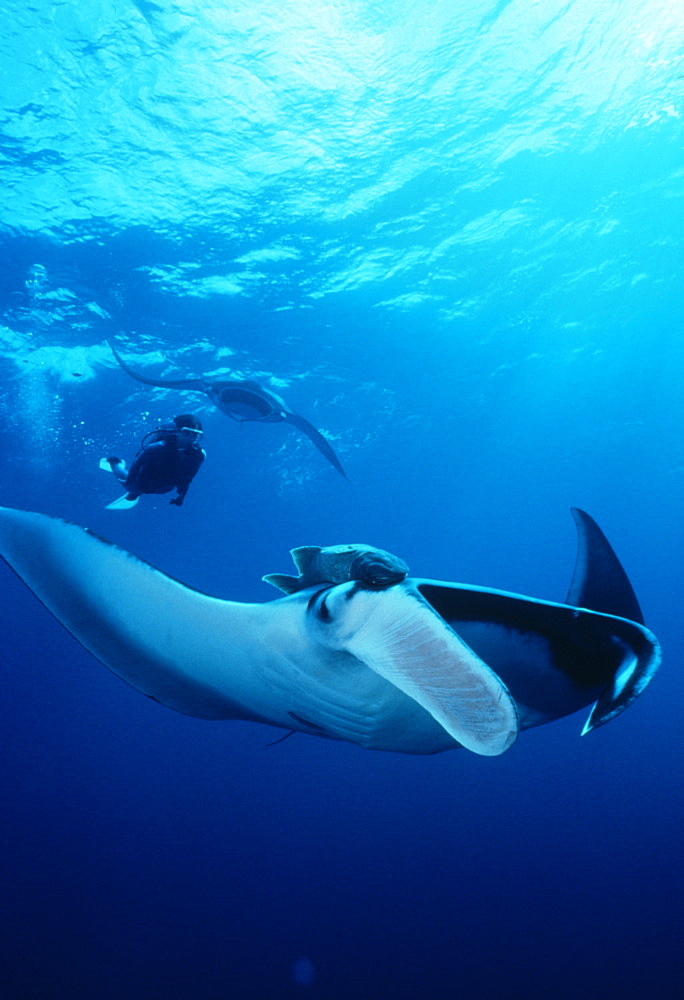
(167, 460)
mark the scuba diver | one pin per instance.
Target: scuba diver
(169, 458)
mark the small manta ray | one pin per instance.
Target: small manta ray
(361, 652)
(243, 400)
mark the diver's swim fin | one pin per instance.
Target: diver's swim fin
(123, 503)
(115, 465)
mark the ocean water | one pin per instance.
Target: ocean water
(450, 235)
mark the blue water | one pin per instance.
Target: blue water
(450, 234)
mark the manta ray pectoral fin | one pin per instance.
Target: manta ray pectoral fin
(168, 641)
(197, 384)
(317, 438)
(601, 584)
(399, 636)
(599, 581)
(288, 584)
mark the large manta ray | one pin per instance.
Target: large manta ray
(243, 400)
(374, 657)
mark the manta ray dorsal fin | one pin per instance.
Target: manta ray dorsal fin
(303, 556)
(599, 582)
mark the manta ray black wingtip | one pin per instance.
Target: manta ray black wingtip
(599, 581)
(601, 584)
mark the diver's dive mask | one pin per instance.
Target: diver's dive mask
(193, 434)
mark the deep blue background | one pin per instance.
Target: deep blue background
(450, 235)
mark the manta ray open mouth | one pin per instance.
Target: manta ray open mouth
(398, 635)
